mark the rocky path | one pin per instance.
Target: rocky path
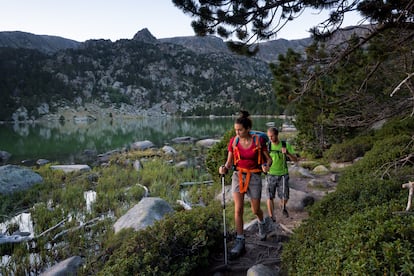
(266, 255)
(262, 254)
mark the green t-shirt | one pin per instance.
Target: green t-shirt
(279, 166)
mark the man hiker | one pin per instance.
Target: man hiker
(247, 153)
(278, 176)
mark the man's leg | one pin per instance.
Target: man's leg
(270, 209)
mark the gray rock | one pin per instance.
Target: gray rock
(319, 183)
(137, 165)
(334, 165)
(300, 171)
(143, 214)
(105, 157)
(69, 266)
(20, 114)
(262, 270)
(4, 156)
(183, 140)
(15, 178)
(169, 150)
(71, 168)
(334, 177)
(378, 125)
(320, 169)
(43, 109)
(182, 164)
(42, 162)
(298, 200)
(142, 145)
(207, 143)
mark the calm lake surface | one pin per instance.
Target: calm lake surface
(66, 142)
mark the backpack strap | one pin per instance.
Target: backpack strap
(284, 155)
(236, 153)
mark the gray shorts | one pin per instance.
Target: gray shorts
(254, 191)
(279, 183)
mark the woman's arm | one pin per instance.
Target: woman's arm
(227, 166)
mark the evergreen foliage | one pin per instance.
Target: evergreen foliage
(340, 100)
(243, 23)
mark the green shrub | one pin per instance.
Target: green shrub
(372, 242)
(349, 150)
(177, 245)
(217, 155)
(356, 230)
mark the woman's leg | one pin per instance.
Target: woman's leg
(238, 211)
(255, 205)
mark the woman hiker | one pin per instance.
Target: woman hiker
(248, 153)
(278, 177)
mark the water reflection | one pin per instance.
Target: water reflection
(57, 141)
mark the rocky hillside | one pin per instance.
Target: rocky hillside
(139, 76)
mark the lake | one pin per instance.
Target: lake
(66, 142)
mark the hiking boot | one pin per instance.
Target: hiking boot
(262, 231)
(285, 213)
(238, 248)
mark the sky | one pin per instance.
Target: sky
(81, 20)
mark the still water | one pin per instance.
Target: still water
(66, 142)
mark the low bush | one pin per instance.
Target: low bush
(177, 245)
(349, 150)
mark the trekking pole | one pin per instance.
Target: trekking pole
(224, 219)
(284, 182)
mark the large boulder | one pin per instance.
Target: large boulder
(15, 178)
(143, 214)
(69, 266)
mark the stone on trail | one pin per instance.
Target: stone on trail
(261, 270)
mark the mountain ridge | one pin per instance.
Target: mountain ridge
(182, 76)
(269, 50)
